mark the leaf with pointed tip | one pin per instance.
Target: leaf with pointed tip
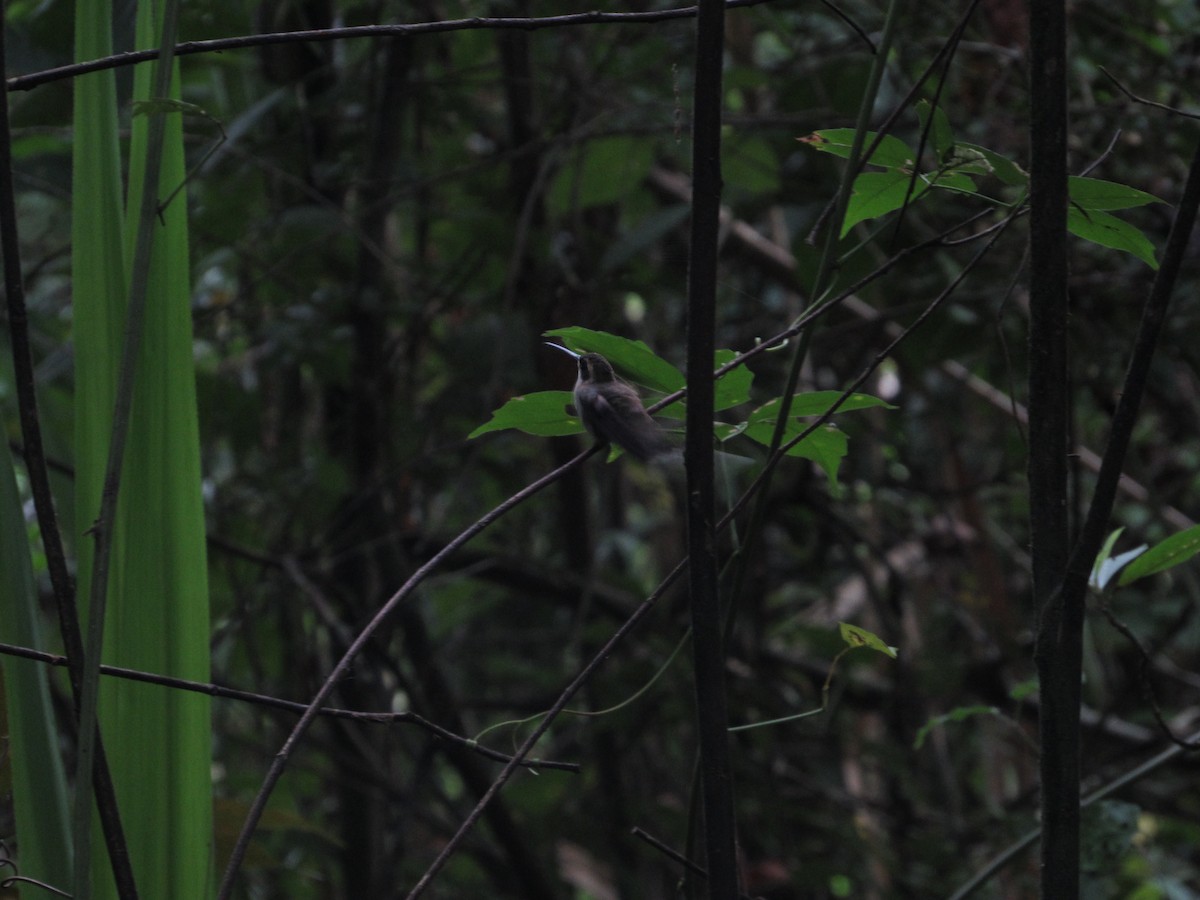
(856, 636)
(892, 153)
(940, 134)
(826, 446)
(1099, 227)
(632, 359)
(1094, 193)
(543, 413)
(1166, 554)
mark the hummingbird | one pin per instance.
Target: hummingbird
(612, 411)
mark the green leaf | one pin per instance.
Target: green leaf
(877, 194)
(1101, 228)
(892, 153)
(1092, 193)
(940, 135)
(961, 714)
(543, 413)
(633, 359)
(1023, 689)
(1166, 554)
(733, 388)
(817, 403)
(1002, 167)
(826, 446)
(855, 636)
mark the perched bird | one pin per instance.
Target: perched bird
(612, 411)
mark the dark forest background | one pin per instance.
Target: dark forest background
(382, 229)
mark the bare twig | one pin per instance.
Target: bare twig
(1144, 675)
(579, 681)
(228, 693)
(321, 35)
(1010, 853)
(279, 763)
(1142, 100)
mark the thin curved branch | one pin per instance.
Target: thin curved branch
(1142, 100)
(323, 35)
(333, 712)
(279, 763)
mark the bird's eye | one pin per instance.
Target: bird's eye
(583, 370)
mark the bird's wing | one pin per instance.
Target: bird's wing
(624, 421)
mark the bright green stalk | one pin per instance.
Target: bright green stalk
(157, 609)
(99, 290)
(39, 784)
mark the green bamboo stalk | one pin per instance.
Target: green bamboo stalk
(99, 290)
(156, 615)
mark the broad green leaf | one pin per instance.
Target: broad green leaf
(632, 359)
(1106, 230)
(856, 636)
(1166, 554)
(600, 171)
(724, 430)
(892, 153)
(940, 135)
(879, 193)
(543, 413)
(826, 446)
(1092, 193)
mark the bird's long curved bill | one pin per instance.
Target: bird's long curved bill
(562, 348)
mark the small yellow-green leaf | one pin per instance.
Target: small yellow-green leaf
(892, 153)
(855, 636)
